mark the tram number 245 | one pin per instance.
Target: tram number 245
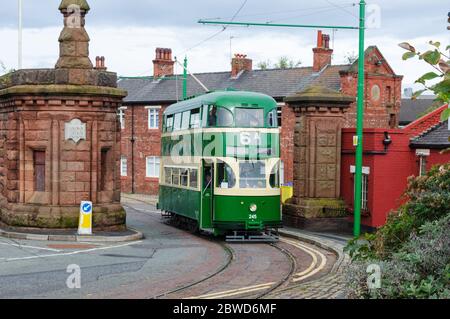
(252, 216)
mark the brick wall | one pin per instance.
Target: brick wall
(147, 143)
(382, 93)
(287, 142)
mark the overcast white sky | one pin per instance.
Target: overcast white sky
(127, 32)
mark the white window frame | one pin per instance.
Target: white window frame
(280, 107)
(153, 111)
(364, 186)
(149, 166)
(123, 166)
(122, 117)
(365, 192)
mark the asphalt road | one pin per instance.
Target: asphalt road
(168, 263)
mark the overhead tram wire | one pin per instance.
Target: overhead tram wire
(303, 15)
(348, 4)
(216, 33)
(224, 28)
(343, 8)
(204, 41)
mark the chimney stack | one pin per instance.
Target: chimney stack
(322, 53)
(163, 63)
(240, 63)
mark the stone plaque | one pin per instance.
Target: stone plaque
(75, 130)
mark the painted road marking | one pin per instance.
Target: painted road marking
(310, 251)
(31, 247)
(234, 292)
(72, 252)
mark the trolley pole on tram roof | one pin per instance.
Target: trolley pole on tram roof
(360, 96)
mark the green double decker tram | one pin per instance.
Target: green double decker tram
(220, 165)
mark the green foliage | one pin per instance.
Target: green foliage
(445, 115)
(412, 248)
(283, 63)
(440, 62)
(264, 65)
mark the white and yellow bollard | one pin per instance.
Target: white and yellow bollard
(85, 222)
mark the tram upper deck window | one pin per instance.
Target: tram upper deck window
(252, 174)
(186, 120)
(219, 117)
(272, 118)
(195, 118)
(247, 117)
(169, 123)
(177, 122)
(225, 175)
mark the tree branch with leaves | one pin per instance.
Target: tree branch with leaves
(440, 62)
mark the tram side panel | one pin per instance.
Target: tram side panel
(180, 201)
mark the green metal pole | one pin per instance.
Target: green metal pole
(247, 24)
(185, 78)
(359, 123)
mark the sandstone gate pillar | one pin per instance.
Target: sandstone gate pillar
(60, 137)
(317, 156)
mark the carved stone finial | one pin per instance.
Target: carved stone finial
(80, 3)
(74, 40)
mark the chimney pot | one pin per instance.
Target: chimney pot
(319, 39)
(240, 63)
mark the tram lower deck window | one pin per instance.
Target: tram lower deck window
(168, 175)
(275, 176)
(252, 174)
(225, 175)
(193, 178)
(184, 177)
(175, 176)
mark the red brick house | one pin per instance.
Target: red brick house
(149, 96)
(387, 165)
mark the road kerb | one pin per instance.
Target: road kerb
(137, 235)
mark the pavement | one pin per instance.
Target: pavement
(148, 199)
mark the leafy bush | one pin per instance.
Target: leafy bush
(420, 269)
(412, 248)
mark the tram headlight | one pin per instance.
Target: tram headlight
(253, 208)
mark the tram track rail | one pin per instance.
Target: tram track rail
(231, 257)
(287, 278)
(291, 280)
